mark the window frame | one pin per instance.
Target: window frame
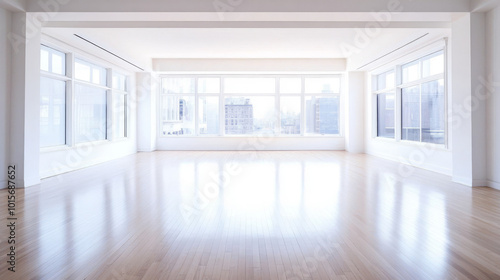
(71, 56)
(398, 89)
(277, 108)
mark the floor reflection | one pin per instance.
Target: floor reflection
(215, 211)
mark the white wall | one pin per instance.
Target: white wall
(493, 110)
(5, 57)
(355, 113)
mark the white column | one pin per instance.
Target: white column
(468, 108)
(354, 120)
(25, 99)
(146, 112)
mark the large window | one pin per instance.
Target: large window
(421, 90)
(423, 100)
(52, 97)
(97, 106)
(232, 105)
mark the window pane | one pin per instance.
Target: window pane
(249, 85)
(98, 75)
(290, 85)
(58, 64)
(82, 71)
(433, 64)
(385, 115)
(386, 80)
(208, 85)
(44, 60)
(178, 115)
(411, 113)
(178, 85)
(90, 113)
(433, 112)
(411, 71)
(52, 112)
(323, 85)
(119, 82)
(290, 108)
(120, 115)
(208, 115)
(322, 115)
(249, 115)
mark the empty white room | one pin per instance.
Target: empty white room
(250, 139)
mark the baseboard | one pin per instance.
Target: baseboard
(430, 167)
(4, 184)
(494, 185)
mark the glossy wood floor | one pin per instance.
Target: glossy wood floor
(247, 215)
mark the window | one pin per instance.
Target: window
(90, 113)
(423, 105)
(52, 112)
(385, 115)
(52, 61)
(119, 94)
(247, 115)
(384, 88)
(422, 100)
(204, 105)
(52, 97)
(97, 111)
(85, 71)
(290, 108)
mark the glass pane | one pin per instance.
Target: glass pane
(52, 112)
(120, 115)
(82, 71)
(411, 113)
(178, 85)
(90, 113)
(99, 75)
(433, 64)
(119, 82)
(58, 64)
(411, 71)
(290, 85)
(249, 85)
(386, 80)
(385, 115)
(322, 115)
(96, 76)
(44, 60)
(208, 115)
(249, 115)
(208, 85)
(290, 108)
(433, 113)
(178, 115)
(323, 85)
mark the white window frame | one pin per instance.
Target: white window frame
(71, 81)
(222, 95)
(396, 65)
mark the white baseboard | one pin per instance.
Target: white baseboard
(494, 185)
(431, 167)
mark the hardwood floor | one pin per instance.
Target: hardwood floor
(253, 215)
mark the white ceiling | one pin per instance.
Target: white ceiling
(140, 45)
